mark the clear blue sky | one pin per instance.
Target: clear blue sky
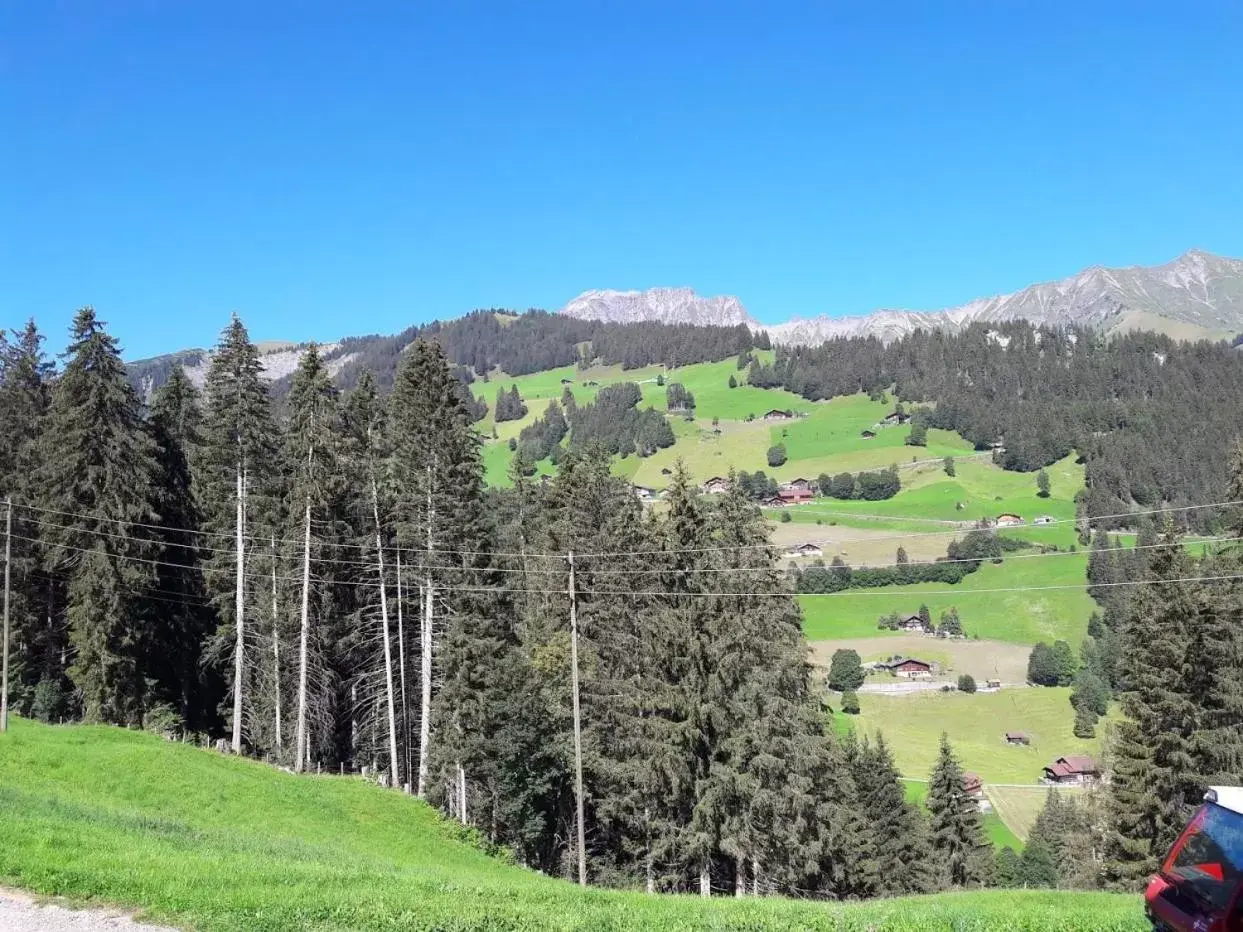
(338, 168)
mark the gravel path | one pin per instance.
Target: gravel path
(20, 913)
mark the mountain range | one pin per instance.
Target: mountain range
(1196, 295)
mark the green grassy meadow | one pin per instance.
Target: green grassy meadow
(200, 840)
(976, 725)
(1020, 617)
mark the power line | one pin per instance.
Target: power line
(648, 552)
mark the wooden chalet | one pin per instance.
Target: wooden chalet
(775, 415)
(908, 668)
(1075, 770)
(912, 623)
(806, 550)
(992, 684)
(867, 434)
(717, 485)
(1008, 520)
(795, 496)
(797, 485)
(972, 784)
(1044, 519)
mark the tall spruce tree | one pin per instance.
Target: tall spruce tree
(239, 482)
(440, 521)
(1153, 779)
(957, 833)
(180, 624)
(900, 829)
(35, 647)
(316, 513)
(98, 474)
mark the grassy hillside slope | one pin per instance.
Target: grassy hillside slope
(214, 843)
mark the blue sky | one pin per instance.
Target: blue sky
(333, 168)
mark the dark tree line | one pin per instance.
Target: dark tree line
(1148, 414)
(962, 558)
(517, 344)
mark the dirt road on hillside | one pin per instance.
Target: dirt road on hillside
(20, 913)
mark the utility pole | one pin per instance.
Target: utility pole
(8, 560)
(578, 728)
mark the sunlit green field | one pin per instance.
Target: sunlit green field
(976, 725)
(1004, 602)
(199, 840)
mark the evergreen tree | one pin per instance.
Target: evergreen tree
(318, 533)
(1007, 871)
(1153, 781)
(180, 624)
(1042, 666)
(918, 436)
(957, 833)
(948, 466)
(1042, 484)
(777, 455)
(239, 491)
(35, 648)
(440, 518)
(900, 829)
(1064, 660)
(850, 702)
(98, 472)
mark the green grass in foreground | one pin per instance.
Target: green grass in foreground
(205, 841)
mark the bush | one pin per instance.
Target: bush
(850, 702)
(51, 701)
(845, 671)
(949, 471)
(1085, 722)
(966, 683)
(785, 517)
(777, 455)
(918, 437)
(163, 719)
(733, 382)
(1042, 666)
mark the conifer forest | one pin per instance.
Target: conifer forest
(315, 575)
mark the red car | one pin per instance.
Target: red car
(1199, 887)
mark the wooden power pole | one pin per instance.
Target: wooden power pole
(578, 729)
(4, 665)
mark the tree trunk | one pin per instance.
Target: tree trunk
(401, 661)
(649, 868)
(425, 686)
(394, 771)
(303, 645)
(755, 877)
(461, 794)
(425, 661)
(705, 879)
(578, 730)
(239, 650)
(276, 650)
(740, 877)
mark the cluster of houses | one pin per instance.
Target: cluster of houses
(1012, 520)
(1075, 770)
(893, 419)
(795, 492)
